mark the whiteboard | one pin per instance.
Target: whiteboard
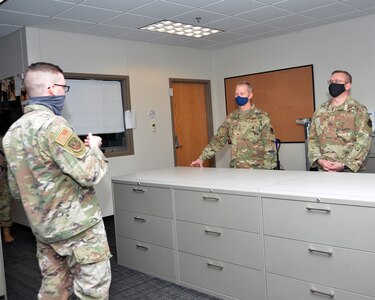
(94, 106)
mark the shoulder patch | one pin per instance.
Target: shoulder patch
(63, 136)
(71, 142)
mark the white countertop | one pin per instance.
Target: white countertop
(213, 178)
(350, 188)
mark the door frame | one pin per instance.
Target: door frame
(209, 118)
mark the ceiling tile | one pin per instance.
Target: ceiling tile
(119, 5)
(301, 27)
(229, 23)
(131, 21)
(195, 3)
(298, 5)
(329, 11)
(272, 1)
(344, 17)
(64, 25)
(70, 1)
(361, 4)
(141, 35)
(272, 33)
(203, 15)
(263, 14)
(39, 7)
(288, 21)
(88, 14)
(106, 31)
(255, 29)
(160, 9)
(233, 7)
(242, 20)
(19, 19)
(225, 37)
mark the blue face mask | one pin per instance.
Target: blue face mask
(54, 103)
(241, 101)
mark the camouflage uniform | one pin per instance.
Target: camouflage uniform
(5, 195)
(252, 138)
(340, 133)
(53, 173)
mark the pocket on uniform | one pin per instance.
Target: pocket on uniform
(92, 253)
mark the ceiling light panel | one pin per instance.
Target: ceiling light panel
(181, 29)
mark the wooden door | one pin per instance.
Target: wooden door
(192, 120)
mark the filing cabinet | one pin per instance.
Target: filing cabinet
(247, 234)
(218, 237)
(327, 249)
(144, 228)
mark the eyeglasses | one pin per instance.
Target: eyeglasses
(337, 81)
(66, 87)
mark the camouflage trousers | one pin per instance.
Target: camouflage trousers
(79, 265)
(5, 203)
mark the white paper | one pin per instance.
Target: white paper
(130, 119)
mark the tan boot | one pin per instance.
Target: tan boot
(7, 237)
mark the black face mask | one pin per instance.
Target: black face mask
(336, 89)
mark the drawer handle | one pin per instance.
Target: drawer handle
(312, 250)
(139, 219)
(210, 198)
(209, 231)
(138, 190)
(315, 291)
(141, 247)
(215, 266)
(326, 210)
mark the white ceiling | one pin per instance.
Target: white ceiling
(242, 20)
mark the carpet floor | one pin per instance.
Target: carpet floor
(23, 277)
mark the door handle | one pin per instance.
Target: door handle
(315, 291)
(176, 145)
(328, 252)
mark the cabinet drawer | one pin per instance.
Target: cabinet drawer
(283, 288)
(370, 165)
(332, 224)
(155, 201)
(150, 229)
(343, 269)
(372, 148)
(231, 280)
(140, 255)
(238, 247)
(231, 211)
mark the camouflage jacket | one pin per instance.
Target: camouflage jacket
(53, 173)
(340, 133)
(251, 136)
(3, 163)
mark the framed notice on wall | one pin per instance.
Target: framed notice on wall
(286, 95)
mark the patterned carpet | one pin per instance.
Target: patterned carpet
(23, 276)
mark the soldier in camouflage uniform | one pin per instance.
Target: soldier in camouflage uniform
(339, 137)
(53, 173)
(5, 199)
(250, 133)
